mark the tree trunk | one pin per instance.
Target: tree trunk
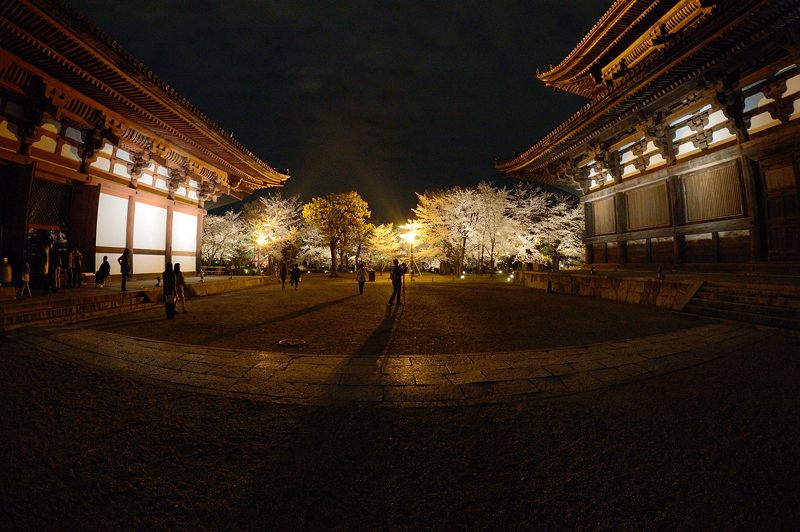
(333, 259)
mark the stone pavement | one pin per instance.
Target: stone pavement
(384, 380)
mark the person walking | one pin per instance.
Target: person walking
(101, 273)
(396, 275)
(125, 266)
(295, 276)
(282, 275)
(168, 283)
(361, 277)
(180, 287)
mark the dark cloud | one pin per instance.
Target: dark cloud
(387, 98)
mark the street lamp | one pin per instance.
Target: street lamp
(410, 236)
(261, 240)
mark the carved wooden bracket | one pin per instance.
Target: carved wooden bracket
(659, 132)
(140, 161)
(571, 173)
(93, 140)
(177, 177)
(731, 103)
(608, 160)
(641, 161)
(779, 109)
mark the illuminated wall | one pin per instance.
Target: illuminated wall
(149, 233)
(112, 221)
(184, 240)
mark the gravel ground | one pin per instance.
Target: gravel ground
(711, 447)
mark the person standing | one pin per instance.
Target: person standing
(25, 279)
(295, 276)
(55, 269)
(169, 290)
(396, 275)
(102, 273)
(125, 266)
(44, 265)
(282, 275)
(76, 266)
(361, 277)
(180, 287)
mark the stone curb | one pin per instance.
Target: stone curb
(290, 377)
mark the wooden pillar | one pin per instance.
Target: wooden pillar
(168, 240)
(621, 215)
(679, 249)
(199, 246)
(15, 186)
(129, 230)
(752, 187)
(588, 254)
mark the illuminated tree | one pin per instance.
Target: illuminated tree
(550, 225)
(272, 224)
(335, 217)
(222, 235)
(448, 219)
(382, 246)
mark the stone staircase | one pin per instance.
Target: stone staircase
(39, 310)
(756, 304)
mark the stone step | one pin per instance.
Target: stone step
(41, 311)
(745, 317)
(761, 289)
(746, 308)
(772, 300)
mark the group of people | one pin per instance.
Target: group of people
(395, 275)
(174, 289)
(294, 275)
(52, 264)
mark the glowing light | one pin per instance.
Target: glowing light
(462, 276)
(509, 279)
(261, 240)
(499, 271)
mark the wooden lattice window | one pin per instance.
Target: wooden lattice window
(712, 194)
(648, 206)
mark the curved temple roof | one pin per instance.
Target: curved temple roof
(639, 51)
(61, 43)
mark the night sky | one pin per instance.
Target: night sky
(386, 98)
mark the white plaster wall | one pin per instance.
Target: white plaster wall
(47, 144)
(188, 264)
(112, 221)
(102, 163)
(143, 264)
(150, 227)
(184, 232)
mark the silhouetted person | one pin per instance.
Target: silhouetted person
(169, 290)
(75, 267)
(396, 275)
(361, 277)
(55, 269)
(180, 287)
(125, 266)
(44, 265)
(282, 275)
(295, 276)
(102, 273)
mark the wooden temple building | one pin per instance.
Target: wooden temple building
(688, 151)
(97, 153)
